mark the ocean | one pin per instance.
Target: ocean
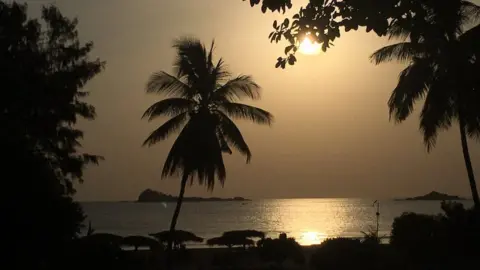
(309, 221)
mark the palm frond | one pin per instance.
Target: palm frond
(197, 153)
(169, 107)
(220, 72)
(176, 158)
(233, 136)
(438, 112)
(191, 61)
(470, 101)
(470, 40)
(412, 86)
(238, 88)
(223, 143)
(243, 111)
(473, 125)
(210, 55)
(471, 11)
(399, 30)
(164, 83)
(402, 52)
(166, 129)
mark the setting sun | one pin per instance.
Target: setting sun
(309, 47)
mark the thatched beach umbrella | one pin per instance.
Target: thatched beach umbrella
(230, 241)
(178, 237)
(137, 241)
(217, 241)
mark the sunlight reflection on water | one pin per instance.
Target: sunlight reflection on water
(309, 221)
(311, 238)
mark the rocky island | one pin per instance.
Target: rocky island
(434, 196)
(150, 195)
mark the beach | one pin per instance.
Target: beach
(219, 258)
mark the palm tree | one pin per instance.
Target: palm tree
(442, 70)
(201, 101)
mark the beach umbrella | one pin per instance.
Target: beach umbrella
(178, 236)
(137, 241)
(244, 234)
(230, 241)
(217, 241)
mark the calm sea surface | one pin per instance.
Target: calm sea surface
(310, 221)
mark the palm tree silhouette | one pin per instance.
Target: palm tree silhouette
(443, 70)
(201, 98)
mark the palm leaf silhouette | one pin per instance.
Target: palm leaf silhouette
(202, 99)
(443, 72)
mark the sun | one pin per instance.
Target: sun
(307, 46)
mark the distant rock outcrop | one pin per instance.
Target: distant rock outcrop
(150, 195)
(435, 196)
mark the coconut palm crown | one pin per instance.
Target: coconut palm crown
(443, 70)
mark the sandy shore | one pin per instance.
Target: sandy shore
(219, 258)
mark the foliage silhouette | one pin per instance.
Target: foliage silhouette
(47, 100)
(281, 249)
(43, 68)
(417, 235)
(201, 99)
(445, 241)
(463, 230)
(371, 236)
(442, 58)
(323, 20)
(99, 250)
(347, 253)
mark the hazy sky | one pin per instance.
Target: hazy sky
(331, 138)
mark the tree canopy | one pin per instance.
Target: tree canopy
(43, 71)
(323, 20)
(202, 103)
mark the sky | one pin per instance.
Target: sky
(331, 138)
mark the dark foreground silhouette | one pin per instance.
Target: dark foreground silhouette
(446, 241)
(43, 69)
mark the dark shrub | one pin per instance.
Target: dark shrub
(347, 253)
(417, 235)
(280, 249)
(462, 231)
(338, 253)
(445, 241)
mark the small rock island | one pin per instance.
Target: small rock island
(150, 195)
(434, 196)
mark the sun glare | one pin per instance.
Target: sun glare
(307, 46)
(311, 238)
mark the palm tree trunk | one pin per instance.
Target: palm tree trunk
(174, 221)
(468, 163)
(177, 210)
